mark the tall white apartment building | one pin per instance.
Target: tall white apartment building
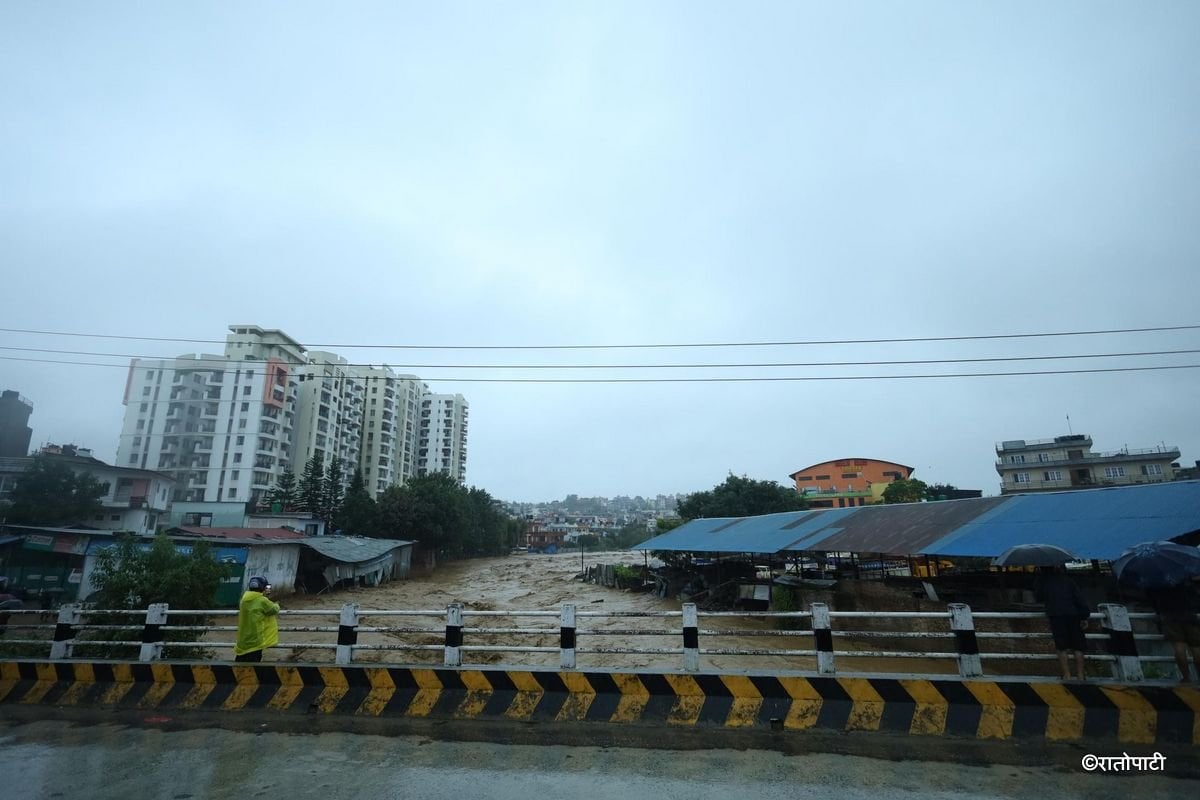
(220, 425)
(390, 427)
(442, 446)
(329, 413)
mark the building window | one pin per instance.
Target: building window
(232, 493)
(146, 391)
(115, 518)
(149, 374)
(241, 440)
(804, 478)
(1044, 457)
(822, 477)
(237, 457)
(241, 424)
(1020, 477)
(133, 459)
(233, 475)
(1052, 475)
(1019, 459)
(1152, 469)
(145, 407)
(1114, 472)
(141, 425)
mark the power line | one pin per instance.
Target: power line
(754, 379)
(644, 346)
(754, 365)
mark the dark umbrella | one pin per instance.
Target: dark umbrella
(1155, 565)
(1033, 555)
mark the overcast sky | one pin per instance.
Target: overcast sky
(622, 173)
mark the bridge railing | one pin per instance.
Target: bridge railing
(818, 639)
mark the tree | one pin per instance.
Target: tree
(741, 497)
(284, 491)
(312, 484)
(358, 514)
(905, 490)
(133, 574)
(939, 491)
(331, 494)
(51, 493)
(446, 517)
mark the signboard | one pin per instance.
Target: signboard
(223, 555)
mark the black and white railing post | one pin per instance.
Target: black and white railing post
(454, 635)
(566, 637)
(1121, 645)
(152, 634)
(691, 638)
(64, 632)
(347, 633)
(822, 625)
(963, 625)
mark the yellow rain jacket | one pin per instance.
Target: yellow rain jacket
(258, 624)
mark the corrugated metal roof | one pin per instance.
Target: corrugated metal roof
(1096, 523)
(353, 549)
(240, 534)
(1093, 523)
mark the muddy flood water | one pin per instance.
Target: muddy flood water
(607, 623)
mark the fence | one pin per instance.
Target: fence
(955, 638)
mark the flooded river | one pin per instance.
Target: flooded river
(609, 621)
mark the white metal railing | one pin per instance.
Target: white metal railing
(951, 636)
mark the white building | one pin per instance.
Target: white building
(1068, 462)
(135, 500)
(329, 413)
(442, 446)
(391, 427)
(220, 425)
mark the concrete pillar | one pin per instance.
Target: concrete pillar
(1126, 666)
(347, 633)
(152, 635)
(822, 626)
(963, 625)
(454, 635)
(64, 632)
(691, 638)
(566, 637)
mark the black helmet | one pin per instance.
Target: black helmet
(257, 583)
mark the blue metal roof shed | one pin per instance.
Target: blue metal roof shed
(1092, 523)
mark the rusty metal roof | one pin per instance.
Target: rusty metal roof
(1093, 523)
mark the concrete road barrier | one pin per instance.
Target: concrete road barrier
(951, 707)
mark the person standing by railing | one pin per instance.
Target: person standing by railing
(1068, 612)
(258, 621)
(1177, 607)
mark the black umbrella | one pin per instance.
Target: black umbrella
(1033, 555)
(1155, 565)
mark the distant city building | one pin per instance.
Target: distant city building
(226, 426)
(220, 425)
(847, 482)
(442, 446)
(391, 427)
(15, 432)
(329, 413)
(1067, 462)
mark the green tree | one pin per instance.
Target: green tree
(939, 491)
(905, 490)
(446, 517)
(331, 495)
(312, 485)
(284, 492)
(132, 575)
(51, 493)
(359, 514)
(741, 497)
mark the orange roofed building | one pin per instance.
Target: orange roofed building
(847, 482)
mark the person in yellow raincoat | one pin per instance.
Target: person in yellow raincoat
(258, 621)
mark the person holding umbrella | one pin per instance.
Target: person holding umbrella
(1168, 574)
(1066, 607)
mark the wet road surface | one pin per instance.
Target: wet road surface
(45, 760)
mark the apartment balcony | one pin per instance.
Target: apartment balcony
(1118, 456)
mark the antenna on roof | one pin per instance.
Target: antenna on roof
(1069, 425)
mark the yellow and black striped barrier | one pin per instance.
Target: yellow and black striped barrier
(986, 709)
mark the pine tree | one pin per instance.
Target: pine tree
(358, 514)
(331, 497)
(284, 491)
(312, 485)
